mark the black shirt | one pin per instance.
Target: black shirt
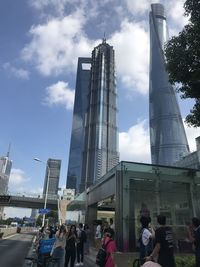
(164, 237)
(70, 242)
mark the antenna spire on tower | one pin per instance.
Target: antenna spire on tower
(8, 153)
(104, 37)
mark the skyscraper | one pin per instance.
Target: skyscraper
(167, 133)
(94, 142)
(100, 152)
(53, 171)
(5, 170)
(77, 135)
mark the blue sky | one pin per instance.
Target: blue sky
(40, 43)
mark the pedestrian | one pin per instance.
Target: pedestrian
(51, 231)
(110, 245)
(81, 239)
(145, 239)
(98, 235)
(194, 236)
(87, 243)
(112, 225)
(59, 246)
(164, 247)
(70, 248)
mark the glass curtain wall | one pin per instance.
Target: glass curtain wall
(149, 190)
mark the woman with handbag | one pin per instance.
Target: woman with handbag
(110, 245)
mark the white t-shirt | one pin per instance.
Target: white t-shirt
(98, 232)
(146, 234)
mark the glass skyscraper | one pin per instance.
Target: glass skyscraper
(94, 140)
(101, 136)
(167, 133)
(78, 124)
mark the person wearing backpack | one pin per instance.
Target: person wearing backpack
(145, 239)
(109, 246)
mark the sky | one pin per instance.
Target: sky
(41, 41)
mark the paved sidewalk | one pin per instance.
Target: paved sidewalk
(122, 259)
(92, 255)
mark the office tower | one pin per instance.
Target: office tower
(5, 170)
(53, 175)
(100, 152)
(77, 135)
(167, 133)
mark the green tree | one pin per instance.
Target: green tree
(183, 60)
(52, 218)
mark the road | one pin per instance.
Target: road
(14, 249)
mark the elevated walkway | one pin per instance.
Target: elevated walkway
(27, 202)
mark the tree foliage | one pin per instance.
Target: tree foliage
(183, 60)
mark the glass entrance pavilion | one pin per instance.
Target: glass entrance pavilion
(144, 189)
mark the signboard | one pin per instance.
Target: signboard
(44, 211)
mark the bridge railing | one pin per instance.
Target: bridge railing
(25, 195)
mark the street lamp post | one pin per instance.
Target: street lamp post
(47, 187)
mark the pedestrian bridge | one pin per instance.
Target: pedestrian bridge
(26, 201)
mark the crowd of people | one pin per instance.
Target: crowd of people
(69, 243)
(156, 246)
(159, 245)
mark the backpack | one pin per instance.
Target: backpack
(102, 254)
(83, 236)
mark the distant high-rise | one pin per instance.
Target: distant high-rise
(94, 141)
(167, 133)
(100, 152)
(53, 170)
(77, 135)
(5, 170)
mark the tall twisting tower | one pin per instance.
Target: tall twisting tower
(167, 133)
(100, 152)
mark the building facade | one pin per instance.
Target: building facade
(53, 175)
(77, 135)
(167, 133)
(5, 170)
(94, 139)
(192, 160)
(100, 152)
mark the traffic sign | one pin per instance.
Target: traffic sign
(44, 211)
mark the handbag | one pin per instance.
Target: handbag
(102, 255)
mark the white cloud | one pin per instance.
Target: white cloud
(139, 7)
(19, 184)
(60, 94)
(57, 6)
(175, 12)
(17, 178)
(134, 144)
(56, 45)
(17, 72)
(131, 44)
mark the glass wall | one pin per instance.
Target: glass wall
(149, 190)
